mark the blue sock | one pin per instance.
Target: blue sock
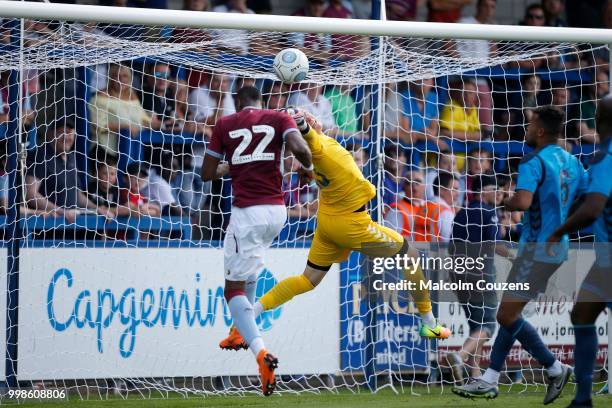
(585, 353)
(532, 342)
(502, 345)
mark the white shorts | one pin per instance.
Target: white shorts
(250, 232)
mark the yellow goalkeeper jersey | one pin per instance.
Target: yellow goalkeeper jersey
(342, 187)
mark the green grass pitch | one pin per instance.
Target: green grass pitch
(344, 399)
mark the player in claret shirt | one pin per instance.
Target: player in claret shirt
(252, 142)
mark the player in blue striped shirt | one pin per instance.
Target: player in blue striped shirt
(596, 290)
(549, 180)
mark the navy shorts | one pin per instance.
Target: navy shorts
(480, 307)
(526, 270)
(596, 286)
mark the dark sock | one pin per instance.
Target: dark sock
(532, 342)
(585, 353)
(502, 345)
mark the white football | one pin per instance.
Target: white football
(291, 65)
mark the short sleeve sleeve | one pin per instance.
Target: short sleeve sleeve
(599, 177)
(529, 174)
(286, 124)
(215, 147)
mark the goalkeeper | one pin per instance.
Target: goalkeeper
(343, 225)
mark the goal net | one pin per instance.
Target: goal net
(117, 284)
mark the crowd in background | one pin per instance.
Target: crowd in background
(127, 98)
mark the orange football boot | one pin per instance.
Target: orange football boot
(267, 364)
(234, 341)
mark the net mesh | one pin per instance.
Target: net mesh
(120, 271)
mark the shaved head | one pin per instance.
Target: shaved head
(603, 117)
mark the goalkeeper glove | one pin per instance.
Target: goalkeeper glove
(300, 119)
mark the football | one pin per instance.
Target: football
(291, 65)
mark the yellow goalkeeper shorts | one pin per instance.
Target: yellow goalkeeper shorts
(337, 235)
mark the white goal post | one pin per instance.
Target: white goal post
(180, 18)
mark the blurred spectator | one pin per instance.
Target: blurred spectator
(482, 50)
(534, 15)
(260, 6)
(312, 100)
(395, 166)
(134, 197)
(402, 10)
(586, 13)
(131, 32)
(422, 112)
(396, 124)
(344, 109)
(345, 46)
(117, 109)
(413, 216)
(459, 119)
(561, 99)
(445, 11)
(446, 192)
(360, 155)
(156, 4)
(187, 34)
(188, 189)
(208, 103)
(607, 14)
(479, 162)
(553, 9)
(5, 186)
(159, 95)
(510, 221)
(531, 87)
(436, 163)
(362, 9)
(103, 189)
(233, 40)
(159, 191)
(52, 178)
(314, 45)
(475, 231)
(583, 113)
(276, 96)
(28, 113)
(522, 105)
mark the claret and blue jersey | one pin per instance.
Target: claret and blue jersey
(556, 178)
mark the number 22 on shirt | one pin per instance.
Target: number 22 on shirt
(247, 137)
